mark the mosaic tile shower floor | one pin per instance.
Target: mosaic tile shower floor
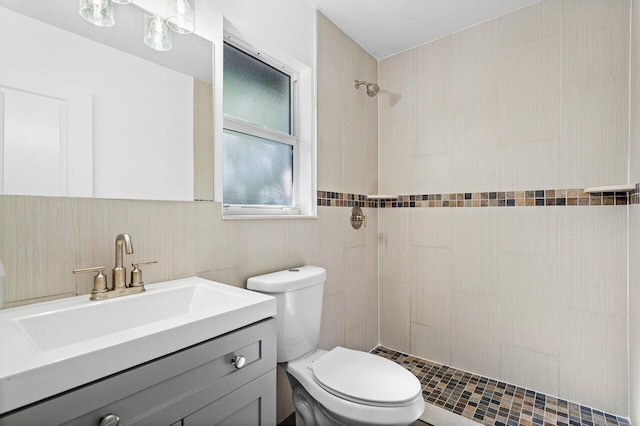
(491, 402)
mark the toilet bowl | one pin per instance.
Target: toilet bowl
(340, 386)
(375, 393)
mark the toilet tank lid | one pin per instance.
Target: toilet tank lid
(288, 280)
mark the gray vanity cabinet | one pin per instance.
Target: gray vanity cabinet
(193, 387)
(244, 406)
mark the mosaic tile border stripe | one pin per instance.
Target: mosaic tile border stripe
(492, 402)
(530, 198)
(341, 199)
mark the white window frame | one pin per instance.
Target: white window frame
(241, 126)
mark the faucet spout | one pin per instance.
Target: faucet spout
(123, 243)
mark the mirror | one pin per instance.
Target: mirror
(90, 111)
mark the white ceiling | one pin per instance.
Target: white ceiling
(387, 27)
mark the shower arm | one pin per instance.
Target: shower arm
(372, 88)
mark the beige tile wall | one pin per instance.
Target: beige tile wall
(512, 291)
(534, 99)
(634, 312)
(202, 140)
(635, 94)
(634, 221)
(43, 239)
(347, 118)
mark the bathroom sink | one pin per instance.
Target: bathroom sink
(69, 325)
(51, 347)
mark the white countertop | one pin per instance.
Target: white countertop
(30, 372)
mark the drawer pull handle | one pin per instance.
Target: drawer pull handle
(109, 420)
(239, 361)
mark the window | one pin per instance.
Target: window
(260, 145)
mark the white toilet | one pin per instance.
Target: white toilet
(341, 386)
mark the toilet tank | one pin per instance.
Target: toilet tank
(298, 293)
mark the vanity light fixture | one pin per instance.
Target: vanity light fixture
(156, 33)
(182, 16)
(98, 12)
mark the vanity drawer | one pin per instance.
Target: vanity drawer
(167, 389)
(252, 404)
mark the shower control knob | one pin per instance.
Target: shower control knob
(357, 218)
(239, 361)
(109, 420)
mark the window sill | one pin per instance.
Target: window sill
(267, 217)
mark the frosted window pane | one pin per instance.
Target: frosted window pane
(257, 171)
(256, 92)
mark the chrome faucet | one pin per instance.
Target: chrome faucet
(119, 272)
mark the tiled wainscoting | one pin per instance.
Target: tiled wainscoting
(492, 402)
(529, 198)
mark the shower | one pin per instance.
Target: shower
(372, 88)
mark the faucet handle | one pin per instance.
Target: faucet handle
(136, 274)
(99, 281)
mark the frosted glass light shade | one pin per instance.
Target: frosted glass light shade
(182, 14)
(257, 171)
(156, 33)
(98, 12)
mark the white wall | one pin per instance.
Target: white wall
(142, 113)
(284, 25)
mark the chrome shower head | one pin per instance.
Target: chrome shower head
(372, 88)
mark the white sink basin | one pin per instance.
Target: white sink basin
(55, 346)
(73, 324)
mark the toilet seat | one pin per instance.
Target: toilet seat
(365, 378)
(351, 412)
